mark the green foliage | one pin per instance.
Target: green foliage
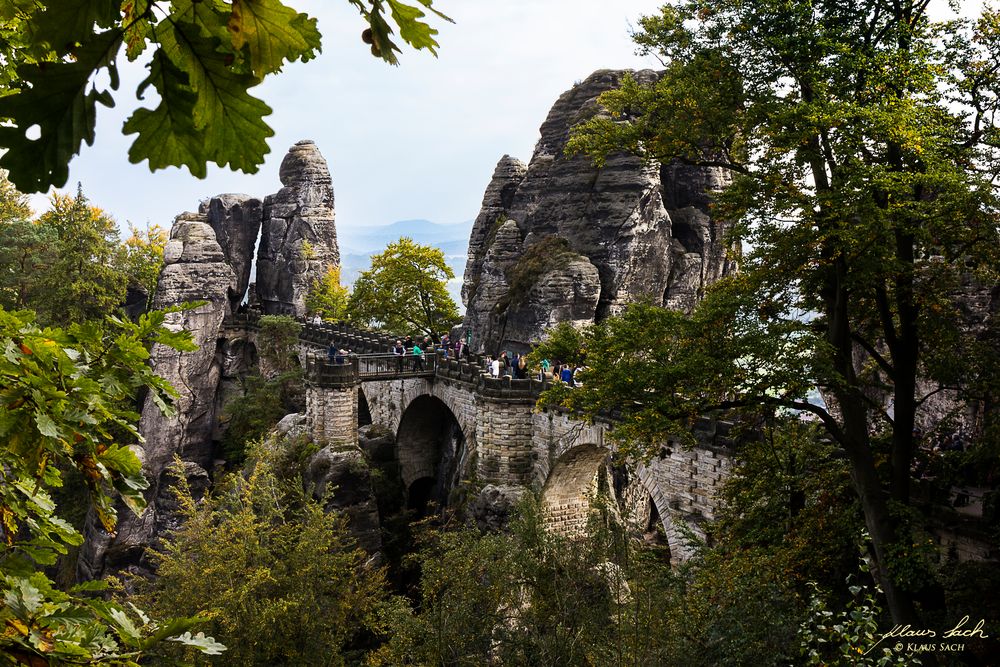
(13, 205)
(790, 495)
(851, 636)
(25, 253)
(58, 61)
(328, 297)
(278, 341)
(82, 281)
(549, 254)
(68, 265)
(260, 406)
(564, 343)
(281, 579)
(862, 145)
(141, 258)
(405, 290)
(528, 597)
(65, 396)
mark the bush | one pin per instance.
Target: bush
(281, 579)
(549, 254)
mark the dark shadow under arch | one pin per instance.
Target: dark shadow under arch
(429, 444)
(364, 410)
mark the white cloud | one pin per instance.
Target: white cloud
(415, 141)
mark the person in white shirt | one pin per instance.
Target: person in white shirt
(495, 368)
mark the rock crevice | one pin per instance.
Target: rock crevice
(637, 231)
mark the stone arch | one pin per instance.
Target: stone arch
(364, 411)
(389, 400)
(653, 505)
(429, 444)
(575, 479)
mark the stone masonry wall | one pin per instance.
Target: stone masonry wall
(332, 415)
(504, 448)
(513, 445)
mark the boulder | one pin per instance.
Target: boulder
(341, 477)
(492, 509)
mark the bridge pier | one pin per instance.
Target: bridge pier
(332, 401)
(504, 443)
(332, 414)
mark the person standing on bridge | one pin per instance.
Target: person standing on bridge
(408, 343)
(400, 352)
(418, 358)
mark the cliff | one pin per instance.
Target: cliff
(209, 259)
(562, 240)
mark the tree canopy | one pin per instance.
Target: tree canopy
(68, 264)
(862, 146)
(59, 61)
(405, 290)
(327, 297)
(67, 404)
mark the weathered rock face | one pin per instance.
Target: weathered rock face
(341, 477)
(298, 239)
(644, 228)
(236, 220)
(208, 258)
(493, 508)
(195, 270)
(565, 293)
(497, 201)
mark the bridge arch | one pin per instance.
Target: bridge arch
(364, 410)
(430, 444)
(585, 471)
(576, 478)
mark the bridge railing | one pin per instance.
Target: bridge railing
(337, 373)
(391, 366)
(343, 370)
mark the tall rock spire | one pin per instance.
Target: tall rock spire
(563, 240)
(298, 241)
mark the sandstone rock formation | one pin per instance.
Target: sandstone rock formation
(195, 270)
(208, 258)
(627, 230)
(341, 477)
(236, 220)
(298, 239)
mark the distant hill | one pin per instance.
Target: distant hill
(358, 244)
(368, 239)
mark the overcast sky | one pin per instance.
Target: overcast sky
(415, 141)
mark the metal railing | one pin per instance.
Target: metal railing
(344, 370)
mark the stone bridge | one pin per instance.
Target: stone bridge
(455, 424)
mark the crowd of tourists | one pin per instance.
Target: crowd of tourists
(517, 367)
(411, 353)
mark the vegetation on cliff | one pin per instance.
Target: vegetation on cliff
(863, 151)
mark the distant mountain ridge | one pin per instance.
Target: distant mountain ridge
(359, 243)
(374, 238)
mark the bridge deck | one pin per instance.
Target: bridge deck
(371, 360)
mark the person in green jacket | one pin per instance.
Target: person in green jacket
(418, 358)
